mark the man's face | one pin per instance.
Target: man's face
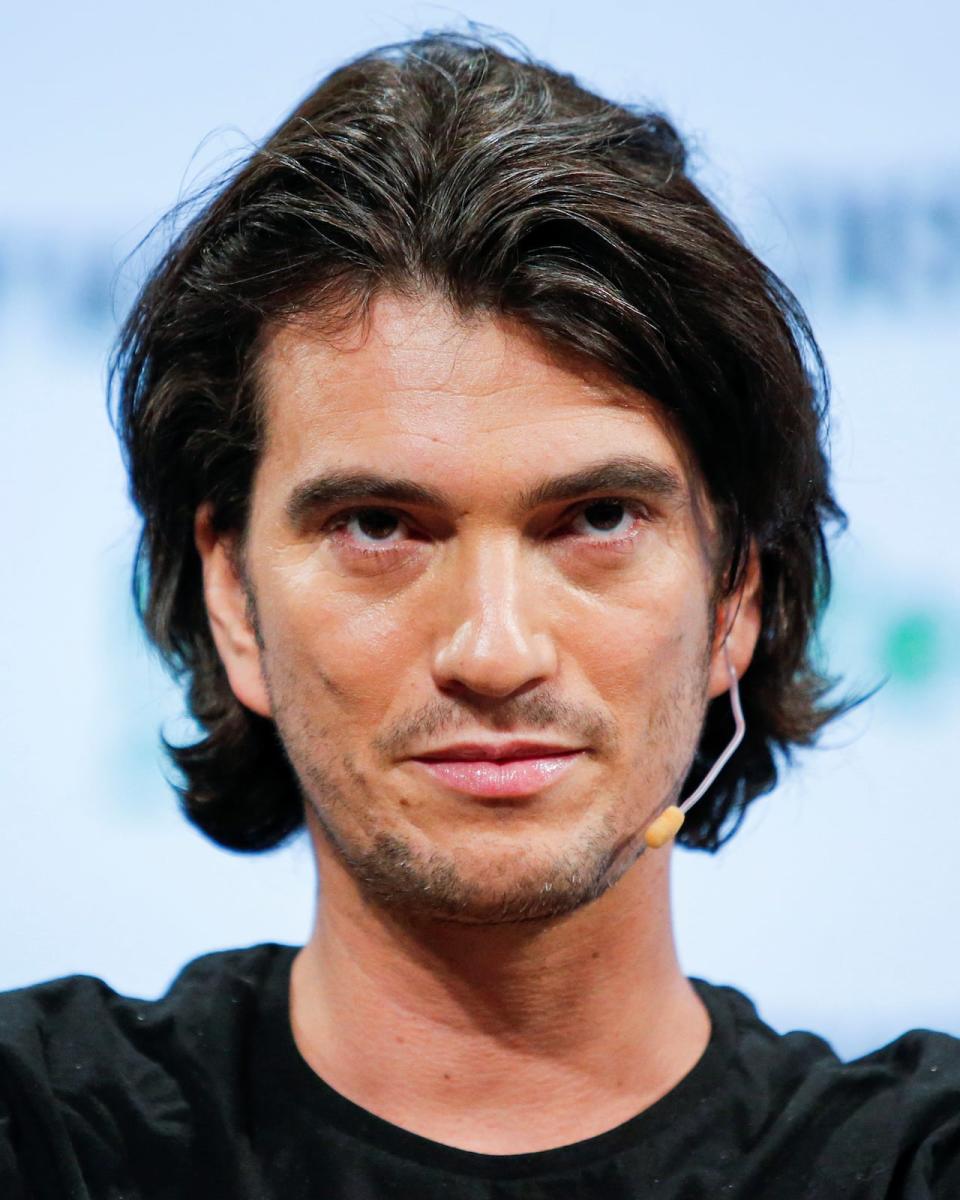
(521, 561)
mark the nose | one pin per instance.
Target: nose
(494, 639)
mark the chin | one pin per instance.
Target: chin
(484, 884)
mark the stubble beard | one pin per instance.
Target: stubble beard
(414, 885)
(390, 872)
(393, 875)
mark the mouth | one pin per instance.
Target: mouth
(520, 775)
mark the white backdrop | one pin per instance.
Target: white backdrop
(829, 132)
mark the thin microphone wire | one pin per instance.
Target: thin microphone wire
(740, 730)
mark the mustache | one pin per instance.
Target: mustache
(521, 714)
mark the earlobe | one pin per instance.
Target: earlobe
(738, 624)
(226, 599)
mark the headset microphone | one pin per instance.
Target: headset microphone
(667, 825)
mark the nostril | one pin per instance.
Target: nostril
(498, 674)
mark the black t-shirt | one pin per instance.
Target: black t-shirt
(203, 1095)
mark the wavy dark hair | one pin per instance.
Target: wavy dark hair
(506, 188)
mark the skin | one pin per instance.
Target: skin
(495, 975)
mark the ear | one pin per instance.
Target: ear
(228, 612)
(738, 623)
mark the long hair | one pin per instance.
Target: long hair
(506, 188)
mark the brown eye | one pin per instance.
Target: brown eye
(605, 515)
(376, 523)
(605, 520)
(368, 527)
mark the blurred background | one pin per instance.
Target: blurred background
(829, 133)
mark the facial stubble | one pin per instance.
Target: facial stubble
(392, 872)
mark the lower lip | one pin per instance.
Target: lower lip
(506, 777)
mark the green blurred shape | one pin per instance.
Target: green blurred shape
(912, 650)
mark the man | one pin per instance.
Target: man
(484, 501)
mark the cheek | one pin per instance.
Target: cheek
(359, 650)
(642, 648)
(651, 675)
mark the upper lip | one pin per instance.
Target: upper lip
(495, 750)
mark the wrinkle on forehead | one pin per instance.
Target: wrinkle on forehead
(422, 344)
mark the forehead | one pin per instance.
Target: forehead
(417, 387)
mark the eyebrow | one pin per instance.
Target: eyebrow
(615, 474)
(636, 475)
(339, 487)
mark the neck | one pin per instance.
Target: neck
(499, 1039)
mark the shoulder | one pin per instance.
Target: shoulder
(894, 1110)
(920, 1060)
(66, 1025)
(86, 1072)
